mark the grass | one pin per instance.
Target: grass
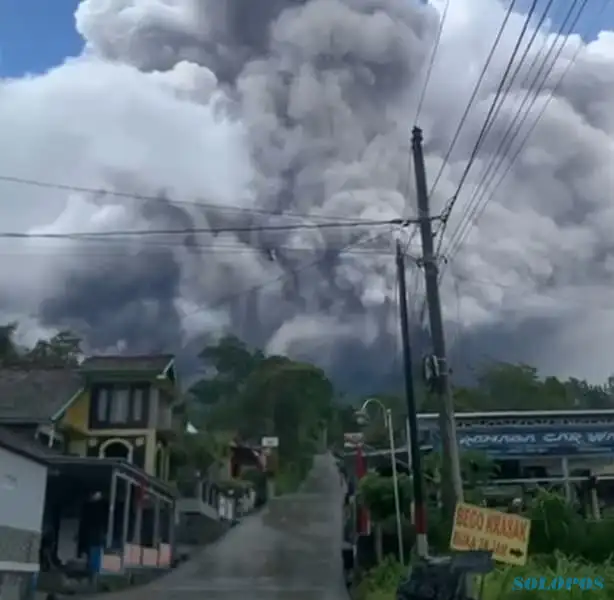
(381, 582)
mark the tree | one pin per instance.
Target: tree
(506, 386)
(253, 395)
(9, 351)
(63, 349)
(377, 494)
(198, 452)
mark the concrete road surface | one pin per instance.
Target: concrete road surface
(290, 551)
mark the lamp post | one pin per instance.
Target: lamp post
(362, 417)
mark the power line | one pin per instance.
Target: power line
(289, 273)
(101, 192)
(492, 112)
(482, 201)
(473, 97)
(476, 204)
(497, 104)
(209, 230)
(487, 122)
(120, 247)
(431, 64)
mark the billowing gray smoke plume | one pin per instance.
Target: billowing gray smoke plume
(243, 113)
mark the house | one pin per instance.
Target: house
(128, 407)
(106, 427)
(23, 481)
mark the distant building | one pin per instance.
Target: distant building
(568, 447)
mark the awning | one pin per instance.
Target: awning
(95, 469)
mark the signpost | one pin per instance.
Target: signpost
(270, 442)
(505, 535)
(353, 440)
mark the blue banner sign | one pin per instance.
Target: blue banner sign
(522, 442)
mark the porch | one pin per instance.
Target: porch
(105, 516)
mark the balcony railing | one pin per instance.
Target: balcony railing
(209, 498)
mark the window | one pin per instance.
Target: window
(102, 406)
(120, 406)
(137, 404)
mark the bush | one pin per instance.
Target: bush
(381, 582)
(498, 585)
(557, 528)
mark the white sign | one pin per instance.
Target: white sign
(351, 440)
(270, 442)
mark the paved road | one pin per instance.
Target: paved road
(290, 551)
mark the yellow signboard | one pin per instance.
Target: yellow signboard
(505, 535)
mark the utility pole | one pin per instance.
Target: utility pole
(412, 414)
(452, 483)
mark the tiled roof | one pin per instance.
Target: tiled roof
(36, 394)
(155, 363)
(20, 444)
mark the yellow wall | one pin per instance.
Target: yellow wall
(77, 414)
(78, 447)
(76, 418)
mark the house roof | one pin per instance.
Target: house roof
(36, 395)
(153, 363)
(18, 444)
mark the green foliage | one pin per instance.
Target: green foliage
(377, 494)
(62, 349)
(498, 585)
(506, 386)
(251, 395)
(381, 582)
(557, 528)
(197, 451)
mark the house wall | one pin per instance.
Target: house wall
(22, 497)
(77, 414)
(145, 441)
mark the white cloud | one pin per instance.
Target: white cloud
(150, 109)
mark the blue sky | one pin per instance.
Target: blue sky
(38, 34)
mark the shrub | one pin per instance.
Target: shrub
(381, 583)
(555, 526)
(498, 585)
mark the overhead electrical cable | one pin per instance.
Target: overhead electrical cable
(161, 198)
(120, 247)
(431, 64)
(485, 192)
(490, 116)
(83, 235)
(498, 104)
(492, 113)
(474, 95)
(220, 302)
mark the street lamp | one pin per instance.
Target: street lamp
(362, 417)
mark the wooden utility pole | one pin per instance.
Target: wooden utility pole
(452, 483)
(412, 413)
